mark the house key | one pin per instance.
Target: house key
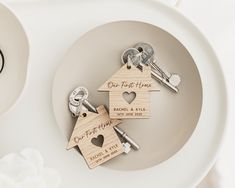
(78, 102)
(137, 60)
(164, 77)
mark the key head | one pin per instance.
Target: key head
(130, 53)
(77, 95)
(146, 50)
(76, 98)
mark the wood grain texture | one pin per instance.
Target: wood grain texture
(91, 127)
(129, 81)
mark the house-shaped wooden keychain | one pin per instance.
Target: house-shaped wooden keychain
(129, 92)
(96, 138)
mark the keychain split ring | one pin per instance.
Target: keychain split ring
(77, 95)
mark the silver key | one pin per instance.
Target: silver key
(154, 71)
(149, 59)
(145, 57)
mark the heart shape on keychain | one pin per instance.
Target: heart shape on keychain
(129, 96)
(98, 141)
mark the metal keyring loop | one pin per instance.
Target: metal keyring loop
(3, 61)
(73, 95)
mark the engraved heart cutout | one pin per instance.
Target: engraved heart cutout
(129, 96)
(98, 141)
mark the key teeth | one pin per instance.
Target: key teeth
(161, 75)
(127, 147)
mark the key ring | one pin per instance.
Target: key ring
(78, 101)
(2, 61)
(131, 56)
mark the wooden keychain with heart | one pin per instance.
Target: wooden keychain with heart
(94, 132)
(129, 91)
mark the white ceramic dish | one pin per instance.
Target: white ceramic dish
(15, 47)
(97, 55)
(72, 19)
(188, 166)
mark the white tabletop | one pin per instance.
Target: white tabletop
(214, 19)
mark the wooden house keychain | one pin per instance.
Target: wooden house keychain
(129, 89)
(95, 133)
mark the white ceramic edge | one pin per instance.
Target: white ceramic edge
(11, 107)
(213, 161)
(209, 165)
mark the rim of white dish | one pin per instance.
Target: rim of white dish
(182, 169)
(11, 11)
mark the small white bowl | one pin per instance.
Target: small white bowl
(15, 48)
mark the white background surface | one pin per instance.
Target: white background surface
(215, 18)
